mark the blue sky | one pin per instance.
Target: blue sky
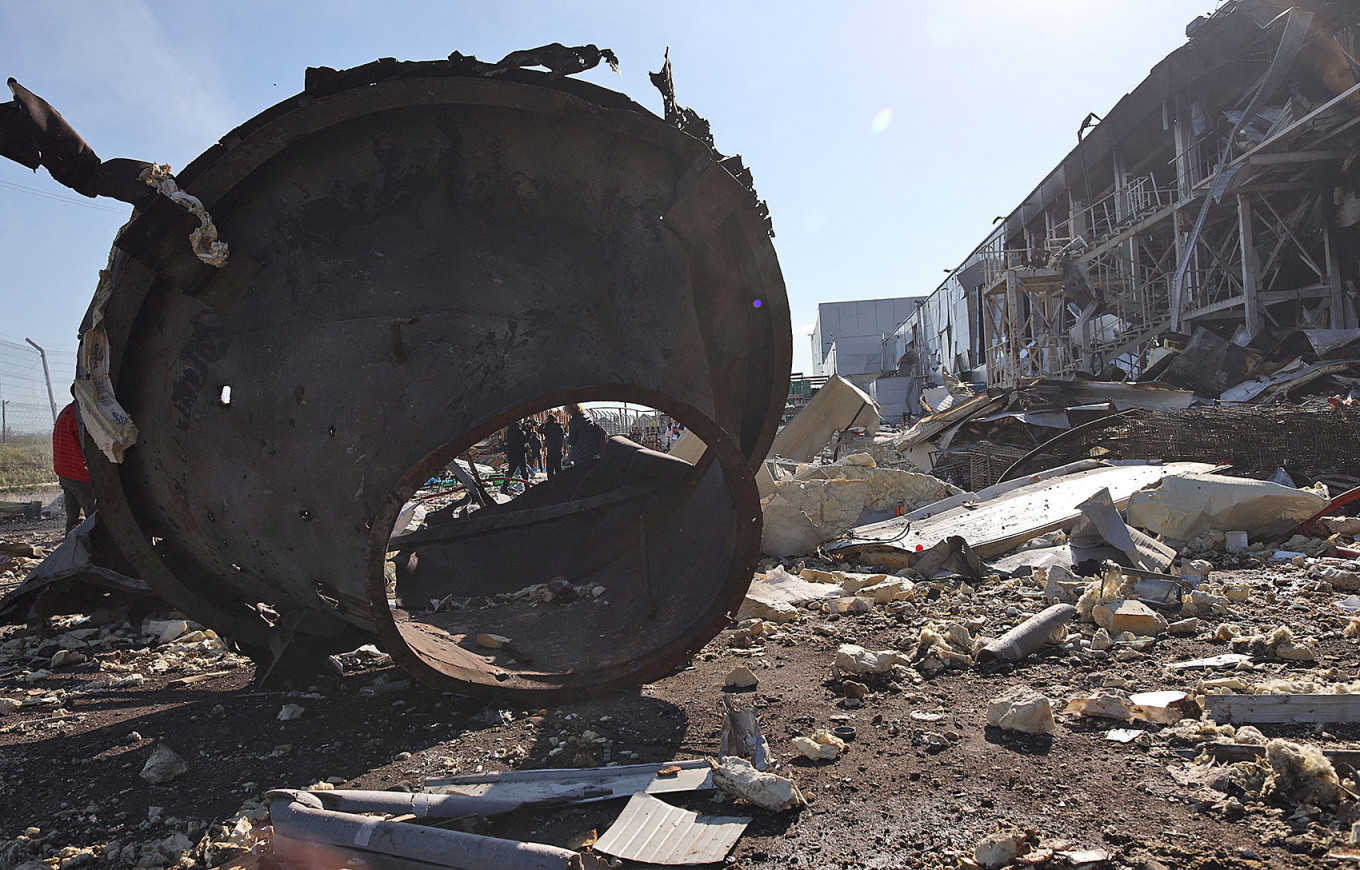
(884, 135)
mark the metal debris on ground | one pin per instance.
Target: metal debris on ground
(654, 832)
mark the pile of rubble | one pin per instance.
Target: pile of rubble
(1286, 399)
(1273, 638)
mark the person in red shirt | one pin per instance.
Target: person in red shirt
(68, 460)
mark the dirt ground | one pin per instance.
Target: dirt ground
(922, 781)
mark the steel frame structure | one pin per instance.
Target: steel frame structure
(1219, 194)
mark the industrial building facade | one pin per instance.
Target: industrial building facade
(850, 339)
(1218, 202)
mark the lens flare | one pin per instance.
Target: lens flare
(881, 120)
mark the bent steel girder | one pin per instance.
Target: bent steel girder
(418, 257)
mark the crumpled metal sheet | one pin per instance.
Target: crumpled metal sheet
(69, 580)
(1183, 505)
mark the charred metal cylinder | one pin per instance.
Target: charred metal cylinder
(1029, 636)
(420, 255)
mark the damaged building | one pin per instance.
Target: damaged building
(1211, 212)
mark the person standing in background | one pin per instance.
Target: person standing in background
(585, 438)
(533, 447)
(552, 444)
(68, 461)
(515, 444)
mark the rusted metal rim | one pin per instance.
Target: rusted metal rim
(652, 653)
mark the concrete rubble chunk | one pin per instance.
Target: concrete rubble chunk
(1021, 709)
(886, 591)
(741, 677)
(776, 595)
(856, 660)
(813, 575)
(997, 850)
(1280, 643)
(1101, 640)
(1342, 579)
(772, 611)
(820, 502)
(738, 778)
(1125, 735)
(1184, 627)
(63, 658)
(821, 746)
(851, 604)
(290, 711)
(853, 689)
(1085, 859)
(163, 766)
(852, 583)
(1123, 615)
(165, 630)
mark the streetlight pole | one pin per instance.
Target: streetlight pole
(47, 376)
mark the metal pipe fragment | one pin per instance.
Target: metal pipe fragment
(447, 806)
(304, 829)
(1027, 637)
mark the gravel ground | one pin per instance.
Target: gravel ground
(924, 779)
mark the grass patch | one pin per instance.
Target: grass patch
(26, 461)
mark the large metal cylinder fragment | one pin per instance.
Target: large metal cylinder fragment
(418, 257)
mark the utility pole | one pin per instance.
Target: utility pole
(47, 376)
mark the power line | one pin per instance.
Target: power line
(32, 191)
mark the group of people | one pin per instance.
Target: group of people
(529, 443)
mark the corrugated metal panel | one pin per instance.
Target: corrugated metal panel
(655, 832)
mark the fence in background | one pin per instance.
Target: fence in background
(24, 406)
